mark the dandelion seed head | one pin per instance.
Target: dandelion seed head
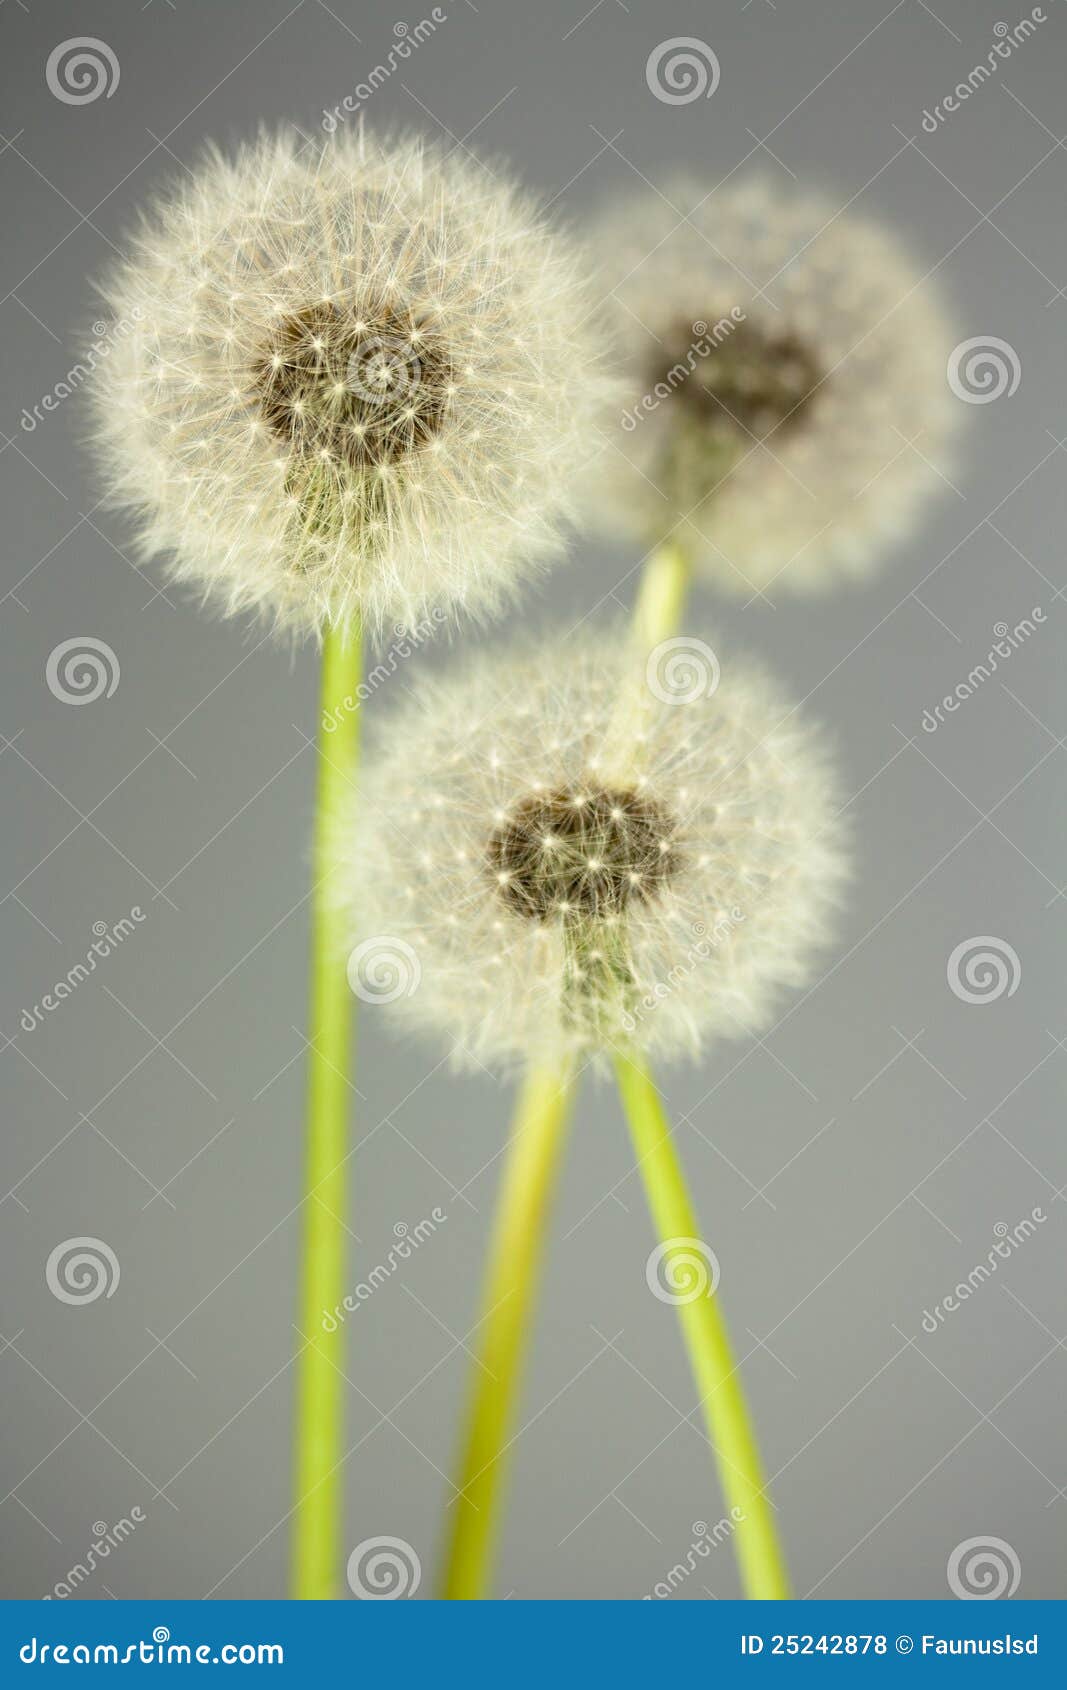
(376, 406)
(568, 893)
(591, 851)
(787, 412)
(758, 381)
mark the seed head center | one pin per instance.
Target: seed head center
(365, 388)
(581, 851)
(753, 381)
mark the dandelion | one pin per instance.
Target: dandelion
(354, 391)
(568, 892)
(591, 856)
(787, 401)
(357, 384)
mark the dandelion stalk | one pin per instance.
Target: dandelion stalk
(722, 1398)
(657, 615)
(317, 1547)
(536, 1143)
(661, 595)
(533, 1159)
(730, 1431)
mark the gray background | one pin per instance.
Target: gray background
(849, 1168)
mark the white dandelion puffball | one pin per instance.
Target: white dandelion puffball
(786, 394)
(349, 383)
(565, 892)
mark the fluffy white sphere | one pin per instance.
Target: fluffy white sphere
(347, 384)
(787, 405)
(568, 849)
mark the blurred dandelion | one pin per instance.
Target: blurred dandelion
(787, 404)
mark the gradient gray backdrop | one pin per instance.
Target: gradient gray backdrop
(849, 1169)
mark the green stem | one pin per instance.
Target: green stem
(661, 595)
(317, 1546)
(657, 613)
(730, 1433)
(537, 1135)
(533, 1158)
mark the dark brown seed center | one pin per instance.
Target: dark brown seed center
(363, 389)
(581, 852)
(752, 382)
